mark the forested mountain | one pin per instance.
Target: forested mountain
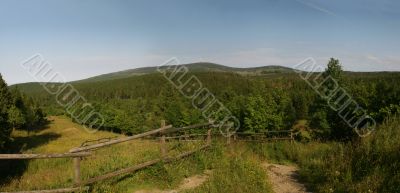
(193, 67)
(273, 102)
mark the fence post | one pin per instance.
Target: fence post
(228, 139)
(163, 149)
(186, 135)
(77, 171)
(209, 137)
(291, 137)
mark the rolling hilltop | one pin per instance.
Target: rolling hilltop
(144, 77)
(193, 67)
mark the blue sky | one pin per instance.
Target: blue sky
(83, 38)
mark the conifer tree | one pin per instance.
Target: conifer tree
(5, 104)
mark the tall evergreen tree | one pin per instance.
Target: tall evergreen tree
(325, 121)
(334, 70)
(5, 104)
(18, 112)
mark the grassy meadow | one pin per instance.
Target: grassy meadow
(231, 169)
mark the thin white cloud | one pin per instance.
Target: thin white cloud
(372, 57)
(316, 7)
(370, 62)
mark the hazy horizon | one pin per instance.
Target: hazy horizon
(82, 39)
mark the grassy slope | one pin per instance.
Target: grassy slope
(230, 170)
(371, 164)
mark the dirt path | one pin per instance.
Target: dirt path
(283, 178)
(186, 184)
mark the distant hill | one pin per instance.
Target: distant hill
(193, 67)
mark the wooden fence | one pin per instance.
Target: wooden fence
(75, 156)
(267, 136)
(79, 152)
(84, 151)
(263, 137)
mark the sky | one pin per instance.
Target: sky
(84, 38)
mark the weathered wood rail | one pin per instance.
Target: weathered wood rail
(173, 130)
(61, 190)
(263, 137)
(187, 137)
(75, 156)
(140, 166)
(121, 140)
(240, 136)
(79, 152)
(44, 156)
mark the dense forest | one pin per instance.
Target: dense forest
(274, 101)
(17, 111)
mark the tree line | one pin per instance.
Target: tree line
(261, 103)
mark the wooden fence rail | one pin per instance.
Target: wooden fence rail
(116, 141)
(263, 137)
(61, 190)
(140, 166)
(240, 136)
(44, 156)
(76, 157)
(173, 130)
(79, 152)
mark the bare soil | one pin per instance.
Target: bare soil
(186, 184)
(283, 178)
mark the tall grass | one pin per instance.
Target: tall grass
(370, 164)
(231, 171)
(236, 170)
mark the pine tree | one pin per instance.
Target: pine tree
(334, 70)
(18, 112)
(5, 104)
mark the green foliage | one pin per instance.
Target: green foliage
(262, 114)
(16, 111)
(24, 113)
(256, 116)
(300, 106)
(326, 122)
(16, 117)
(269, 102)
(5, 104)
(320, 125)
(5, 131)
(38, 117)
(369, 165)
(334, 70)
